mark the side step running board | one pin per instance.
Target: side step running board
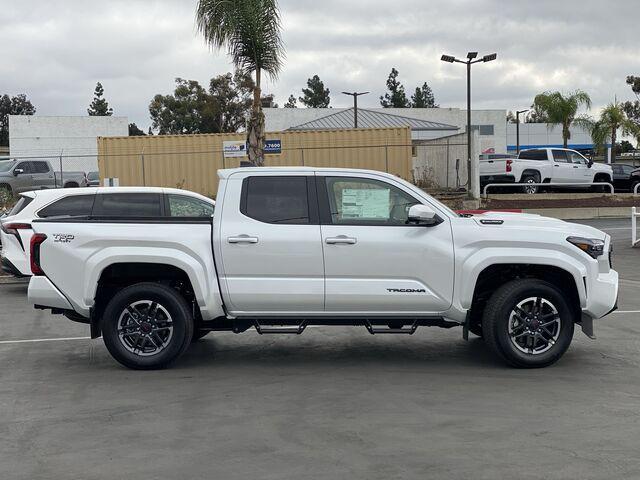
(262, 330)
(409, 330)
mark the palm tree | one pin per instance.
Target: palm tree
(562, 109)
(250, 31)
(612, 119)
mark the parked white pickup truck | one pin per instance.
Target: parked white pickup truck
(291, 247)
(544, 165)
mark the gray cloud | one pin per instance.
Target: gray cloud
(55, 52)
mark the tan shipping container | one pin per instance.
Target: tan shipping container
(192, 161)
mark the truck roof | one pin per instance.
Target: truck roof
(57, 192)
(225, 173)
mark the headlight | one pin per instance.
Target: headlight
(592, 246)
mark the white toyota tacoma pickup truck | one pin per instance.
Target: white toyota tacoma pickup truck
(292, 247)
(545, 165)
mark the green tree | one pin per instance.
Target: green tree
(251, 32)
(536, 115)
(291, 103)
(632, 108)
(396, 96)
(605, 129)
(18, 105)
(99, 106)
(423, 97)
(511, 118)
(231, 95)
(315, 95)
(563, 109)
(193, 109)
(134, 131)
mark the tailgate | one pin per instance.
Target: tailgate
(497, 166)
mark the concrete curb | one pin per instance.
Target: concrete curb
(583, 213)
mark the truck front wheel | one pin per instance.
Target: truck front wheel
(147, 326)
(528, 180)
(528, 323)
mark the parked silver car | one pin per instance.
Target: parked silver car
(17, 176)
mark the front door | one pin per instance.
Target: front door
(23, 179)
(270, 245)
(375, 263)
(563, 169)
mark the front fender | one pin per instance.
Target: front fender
(470, 268)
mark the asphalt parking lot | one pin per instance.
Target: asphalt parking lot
(333, 403)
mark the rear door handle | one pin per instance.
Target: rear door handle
(242, 239)
(341, 239)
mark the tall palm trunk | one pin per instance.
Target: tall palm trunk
(255, 128)
(614, 134)
(566, 134)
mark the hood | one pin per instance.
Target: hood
(536, 222)
(600, 167)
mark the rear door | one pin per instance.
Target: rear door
(270, 245)
(42, 175)
(563, 169)
(375, 263)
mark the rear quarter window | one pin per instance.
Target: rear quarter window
(20, 205)
(73, 206)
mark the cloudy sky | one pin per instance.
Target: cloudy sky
(55, 52)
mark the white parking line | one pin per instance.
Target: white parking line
(626, 311)
(37, 340)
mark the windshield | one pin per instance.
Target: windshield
(6, 165)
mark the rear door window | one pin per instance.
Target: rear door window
(560, 156)
(128, 205)
(276, 199)
(72, 206)
(40, 167)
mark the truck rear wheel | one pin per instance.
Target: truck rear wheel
(528, 323)
(530, 189)
(147, 326)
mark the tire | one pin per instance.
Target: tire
(601, 188)
(135, 347)
(506, 331)
(533, 189)
(633, 186)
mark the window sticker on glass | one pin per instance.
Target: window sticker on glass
(365, 203)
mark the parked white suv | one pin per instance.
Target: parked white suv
(292, 247)
(131, 202)
(545, 165)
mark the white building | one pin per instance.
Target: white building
(491, 124)
(541, 135)
(75, 138)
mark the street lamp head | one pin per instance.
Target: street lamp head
(472, 55)
(518, 112)
(448, 58)
(488, 58)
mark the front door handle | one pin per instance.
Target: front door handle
(242, 239)
(341, 239)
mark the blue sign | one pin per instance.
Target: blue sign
(273, 147)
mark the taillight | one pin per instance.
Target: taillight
(12, 228)
(509, 162)
(36, 241)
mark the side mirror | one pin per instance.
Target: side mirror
(590, 163)
(423, 215)
(17, 171)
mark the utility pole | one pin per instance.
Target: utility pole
(471, 59)
(355, 96)
(518, 112)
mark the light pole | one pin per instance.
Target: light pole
(518, 112)
(471, 59)
(355, 96)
